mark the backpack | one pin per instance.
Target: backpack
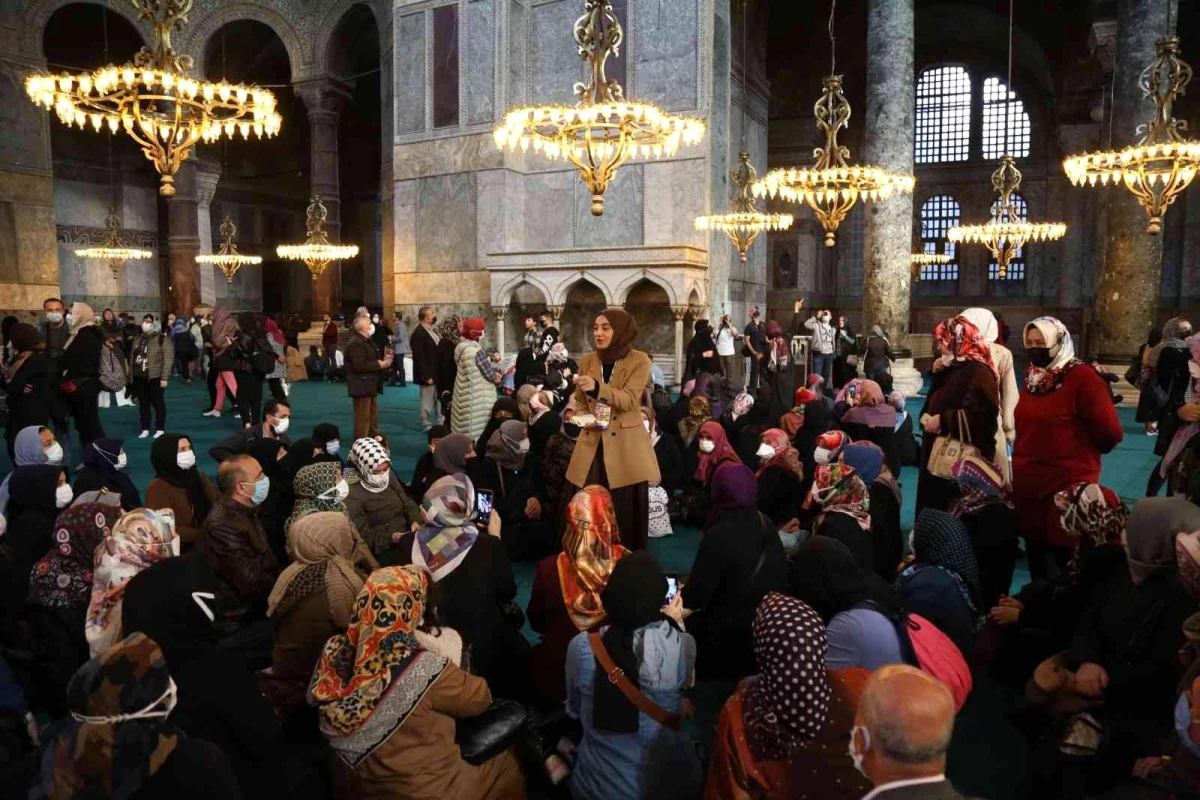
(263, 358)
(112, 370)
(926, 647)
(185, 346)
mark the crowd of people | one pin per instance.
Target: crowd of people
(316, 624)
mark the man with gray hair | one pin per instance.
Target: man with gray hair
(901, 733)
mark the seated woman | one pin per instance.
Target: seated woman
(423, 473)
(34, 445)
(378, 504)
(699, 411)
(554, 464)
(39, 493)
(906, 443)
(453, 453)
(327, 443)
(567, 587)
(779, 474)
(740, 559)
(318, 487)
(624, 752)
(666, 452)
(871, 418)
(103, 464)
(737, 415)
(792, 718)
(985, 508)
(841, 506)
(179, 486)
(388, 706)
(883, 494)
(272, 456)
(504, 409)
(942, 581)
(817, 422)
(544, 422)
(793, 421)
(517, 493)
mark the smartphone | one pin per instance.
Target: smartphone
(672, 589)
(483, 504)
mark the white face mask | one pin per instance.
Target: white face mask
(707, 445)
(54, 454)
(523, 446)
(646, 425)
(339, 492)
(147, 327)
(856, 756)
(333, 447)
(821, 455)
(376, 480)
(371, 330)
(152, 711)
(281, 426)
(825, 318)
(765, 451)
(122, 460)
(186, 459)
(63, 496)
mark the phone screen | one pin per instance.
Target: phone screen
(672, 588)
(483, 504)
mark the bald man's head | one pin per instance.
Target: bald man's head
(910, 716)
(236, 471)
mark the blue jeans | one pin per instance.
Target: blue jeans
(822, 364)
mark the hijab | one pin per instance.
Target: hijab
(28, 452)
(224, 328)
(274, 332)
(138, 540)
(591, 548)
(793, 421)
(24, 340)
(787, 702)
(832, 442)
(741, 405)
(1187, 560)
(837, 489)
(503, 405)
(980, 485)
(324, 548)
(722, 451)
(866, 458)
(450, 330)
(174, 603)
(1150, 535)
(1095, 516)
(1062, 356)
(699, 412)
(733, 487)
(352, 684)
(448, 534)
(900, 403)
(827, 576)
(964, 342)
(323, 434)
(366, 455)
(63, 578)
(450, 456)
(503, 447)
(164, 452)
(1173, 335)
(786, 457)
(266, 452)
(941, 540)
(984, 321)
(300, 455)
(82, 316)
(872, 409)
(624, 333)
(309, 485)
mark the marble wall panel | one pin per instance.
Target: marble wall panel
(501, 211)
(674, 198)
(24, 144)
(549, 205)
(404, 229)
(518, 47)
(621, 223)
(667, 35)
(555, 61)
(408, 62)
(446, 223)
(481, 67)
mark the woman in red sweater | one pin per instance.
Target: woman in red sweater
(1065, 421)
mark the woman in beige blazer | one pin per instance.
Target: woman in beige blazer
(620, 457)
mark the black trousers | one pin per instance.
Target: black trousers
(277, 392)
(85, 408)
(212, 385)
(151, 393)
(249, 397)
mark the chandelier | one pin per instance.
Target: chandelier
(602, 130)
(831, 187)
(921, 260)
(317, 252)
(228, 258)
(111, 250)
(1161, 165)
(155, 101)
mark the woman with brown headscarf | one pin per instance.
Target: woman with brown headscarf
(614, 449)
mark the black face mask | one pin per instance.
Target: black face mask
(571, 429)
(1038, 356)
(433, 321)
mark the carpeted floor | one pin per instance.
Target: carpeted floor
(988, 753)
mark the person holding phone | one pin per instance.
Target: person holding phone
(614, 450)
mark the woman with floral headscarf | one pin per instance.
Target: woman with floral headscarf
(777, 373)
(942, 582)
(965, 391)
(449, 333)
(985, 508)
(699, 411)
(782, 734)
(791, 422)
(871, 417)
(883, 492)
(388, 706)
(318, 487)
(1065, 422)
(841, 506)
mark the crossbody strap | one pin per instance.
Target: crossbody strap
(616, 676)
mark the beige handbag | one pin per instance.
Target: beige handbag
(948, 451)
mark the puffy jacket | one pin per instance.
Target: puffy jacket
(160, 357)
(474, 394)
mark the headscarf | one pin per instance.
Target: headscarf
(24, 340)
(507, 405)
(81, 317)
(780, 352)
(102, 455)
(943, 541)
(1184, 433)
(984, 320)
(224, 328)
(787, 702)
(1150, 534)
(699, 412)
(299, 456)
(502, 447)
(1062, 356)
(833, 441)
(450, 329)
(353, 681)
(900, 403)
(558, 354)
(523, 395)
(448, 533)
(309, 484)
(323, 434)
(1095, 515)
(164, 452)
(266, 452)
(451, 453)
(872, 409)
(624, 334)
(28, 451)
(591, 548)
(632, 599)
(63, 578)
(323, 547)
(118, 734)
(139, 539)
(174, 603)
(1173, 331)
(786, 457)
(866, 458)
(274, 332)
(827, 575)
(980, 485)
(722, 451)
(1187, 560)
(837, 489)
(472, 328)
(741, 405)
(366, 455)
(965, 342)
(733, 486)
(793, 421)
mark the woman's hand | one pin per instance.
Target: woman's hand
(674, 609)
(792, 525)
(163, 383)
(1146, 767)
(1004, 615)
(1189, 412)
(416, 526)
(932, 424)
(533, 509)
(1091, 680)
(493, 525)
(585, 382)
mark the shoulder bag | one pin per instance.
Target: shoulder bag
(616, 676)
(492, 732)
(948, 451)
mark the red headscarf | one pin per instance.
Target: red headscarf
(472, 328)
(722, 451)
(785, 456)
(793, 420)
(274, 332)
(591, 548)
(965, 342)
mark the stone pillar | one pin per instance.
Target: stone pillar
(183, 242)
(498, 313)
(888, 142)
(1128, 289)
(206, 188)
(679, 312)
(325, 98)
(556, 313)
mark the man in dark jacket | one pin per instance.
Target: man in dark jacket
(276, 418)
(424, 342)
(363, 366)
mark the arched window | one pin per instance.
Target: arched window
(1016, 267)
(938, 214)
(1005, 122)
(785, 271)
(943, 115)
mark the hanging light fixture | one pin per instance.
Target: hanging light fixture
(922, 260)
(1163, 163)
(228, 258)
(1006, 232)
(745, 222)
(317, 252)
(831, 187)
(112, 250)
(154, 99)
(602, 130)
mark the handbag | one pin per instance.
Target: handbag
(660, 520)
(616, 676)
(948, 451)
(482, 737)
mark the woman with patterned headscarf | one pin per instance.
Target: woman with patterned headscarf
(986, 509)
(883, 492)
(779, 475)
(699, 411)
(318, 487)
(942, 583)
(378, 504)
(963, 402)
(449, 332)
(840, 505)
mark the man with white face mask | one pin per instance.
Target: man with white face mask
(901, 734)
(276, 421)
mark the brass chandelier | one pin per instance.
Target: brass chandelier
(317, 252)
(602, 130)
(922, 260)
(1006, 232)
(112, 251)
(745, 222)
(154, 99)
(1163, 163)
(831, 187)
(228, 258)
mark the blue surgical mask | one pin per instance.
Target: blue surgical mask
(333, 447)
(261, 487)
(1183, 721)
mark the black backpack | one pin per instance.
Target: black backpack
(263, 359)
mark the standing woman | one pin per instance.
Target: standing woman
(279, 347)
(474, 383)
(1065, 422)
(1169, 360)
(619, 457)
(28, 383)
(153, 355)
(224, 334)
(81, 376)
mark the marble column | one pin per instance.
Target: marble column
(183, 242)
(1128, 289)
(324, 98)
(206, 188)
(498, 312)
(888, 142)
(679, 312)
(556, 313)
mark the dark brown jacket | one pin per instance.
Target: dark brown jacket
(163, 494)
(362, 367)
(234, 543)
(377, 515)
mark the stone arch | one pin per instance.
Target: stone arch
(650, 305)
(524, 299)
(627, 285)
(39, 12)
(328, 23)
(194, 40)
(582, 299)
(504, 295)
(559, 295)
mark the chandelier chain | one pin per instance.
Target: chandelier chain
(832, 39)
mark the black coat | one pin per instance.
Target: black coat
(540, 432)
(528, 368)
(235, 444)
(906, 443)
(195, 770)
(32, 407)
(778, 494)
(670, 463)
(523, 538)
(887, 541)
(446, 371)
(362, 367)
(994, 529)
(424, 356)
(89, 479)
(81, 360)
